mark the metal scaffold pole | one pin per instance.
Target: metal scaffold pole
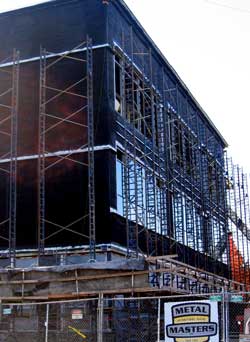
(63, 107)
(9, 96)
(13, 160)
(151, 199)
(41, 154)
(91, 156)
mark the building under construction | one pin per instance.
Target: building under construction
(109, 162)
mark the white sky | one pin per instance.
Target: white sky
(207, 42)
(209, 47)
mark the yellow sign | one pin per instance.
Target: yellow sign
(190, 322)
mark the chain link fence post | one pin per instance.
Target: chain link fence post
(222, 320)
(47, 323)
(100, 319)
(225, 316)
(159, 321)
(226, 324)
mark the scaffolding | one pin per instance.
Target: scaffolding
(55, 112)
(8, 135)
(173, 163)
(239, 221)
(180, 194)
(143, 148)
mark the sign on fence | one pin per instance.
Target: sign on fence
(215, 298)
(7, 311)
(244, 338)
(236, 298)
(76, 314)
(191, 321)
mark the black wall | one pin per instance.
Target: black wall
(58, 26)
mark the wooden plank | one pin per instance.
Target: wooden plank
(73, 279)
(79, 295)
(172, 270)
(162, 257)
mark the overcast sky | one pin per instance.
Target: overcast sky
(207, 42)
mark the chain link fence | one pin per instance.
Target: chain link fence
(238, 317)
(118, 319)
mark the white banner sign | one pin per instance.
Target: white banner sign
(76, 314)
(195, 321)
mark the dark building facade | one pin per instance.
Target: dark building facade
(160, 183)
